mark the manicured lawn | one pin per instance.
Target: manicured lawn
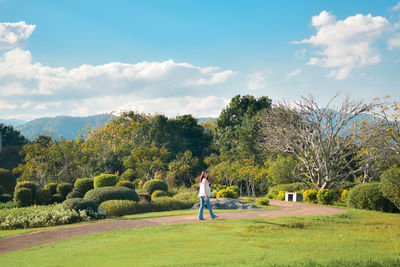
(355, 238)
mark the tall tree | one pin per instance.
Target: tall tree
(11, 144)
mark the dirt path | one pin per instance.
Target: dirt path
(12, 243)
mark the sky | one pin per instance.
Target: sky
(80, 58)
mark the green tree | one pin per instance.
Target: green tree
(280, 169)
(11, 144)
(183, 169)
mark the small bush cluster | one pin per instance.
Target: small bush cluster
(23, 196)
(310, 195)
(126, 184)
(7, 181)
(390, 185)
(79, 204)
(5, 198)
(105, 180)
(28, 185)
(57, 198)
(281, 195)
(101, 194)
(293, 187)
(64, 189)
(155, 184)
(187, 195)
(369, 196)
(264, 201)
(8, 205)
(158, 193)
(227, 193)
(74, 194)
(128, 175)
(216, 187)
(52, 187)
(344, 196)
(325, 197)
(43, 196)
(83, 185)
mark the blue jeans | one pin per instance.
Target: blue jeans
(202, 203)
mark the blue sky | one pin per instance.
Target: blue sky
(176, 57)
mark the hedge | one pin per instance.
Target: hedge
(78, 204)
(369, 196)
(105, 180)
(52, 187)
(27, 184)
(390, 185)
(158, 193)
(101, 194)
(43, 196)
(126, 184)
(74, 194)
(64, 188)
(83, 185)
(155, 184)
(7, 180)
(23, 196)
(57, 198)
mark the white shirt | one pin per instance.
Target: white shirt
(201, 190)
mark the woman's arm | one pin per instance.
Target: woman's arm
(205, 189)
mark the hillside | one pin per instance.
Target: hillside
(61, 126)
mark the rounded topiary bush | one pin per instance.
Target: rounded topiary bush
(7, 180)
(43, 196)
(52, 187)
(5, 198)
(121, 207)
(74, 194)
(128, 175)
(23, 196)
(126, 184)
(27, 184)
(104, 180)
(369, 196)
(57, 198)
(158, 193)
(83, 185)
(310, 195)
(102, 194)
(325, 197)
(390, 185)
(78, 204)
(226, 193)
(64, 189)
(155, 184)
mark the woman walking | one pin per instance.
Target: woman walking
(204, 192)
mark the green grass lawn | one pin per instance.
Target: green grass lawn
(355, 238)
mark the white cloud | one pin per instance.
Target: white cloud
(394, 42)
(346, 44)
(257, 80)
(294, 73)
(6, 106)
(11, 34)
(396, 7)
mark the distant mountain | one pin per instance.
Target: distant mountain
(12, 122)
(61, 126)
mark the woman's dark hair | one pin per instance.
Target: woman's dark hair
(203, 173)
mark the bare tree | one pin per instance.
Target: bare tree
(320, 137)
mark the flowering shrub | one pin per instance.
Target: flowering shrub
(281, 195)
(344, 195)
(40, 216)
(325, 197)
(310, 195)
(274, 190)
(227, 193)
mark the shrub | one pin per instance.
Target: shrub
(187, 195)
(43, 196)
(216, 187)
(8, 205)
(138, 183)
(122, 207)
(168, 203)
(158, 193)
(390, 185)
(101, 194)
(28, 185)
(310, 195)
(224, 193)
(155, 184)
(52, 187)
(57, 198)
(325, 197)
(128, 175)
(74, 194)
(64, 189)
(234, 188)
(83, 185)
(126, 184)
(23, 196)
(264, 201)
(7, 180)
(369, 196)
(105, 180)
(345, 194)
(274, 190)
(5, 198)
(281, 195)
(2, 190)
(78, 204)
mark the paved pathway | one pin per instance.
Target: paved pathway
(37, 238)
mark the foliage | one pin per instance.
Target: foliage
(12, 141)
(23, 196)
(83, 185)
(57, 198)
(8, 205)
(183, 169)
(104, 180)
(41, 216)
(369, 196)
(325, 197)
(310, 195)
(227, 193)
(101, 194)
(2, 190)
(155, 184)
(5, 198)
(390, 185)
(74, 194)
(234, 188)
(281, 195)
(187, 195)
(52, 187)
(345, 195)
(168, 203)
(293, 187)
(280, 170)
(7, 180)
(78, 204)
(43, 196)
(158, 193)
(128, 175)
(128, 184)
(263, 201)
(27, 184)
(64, 188)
